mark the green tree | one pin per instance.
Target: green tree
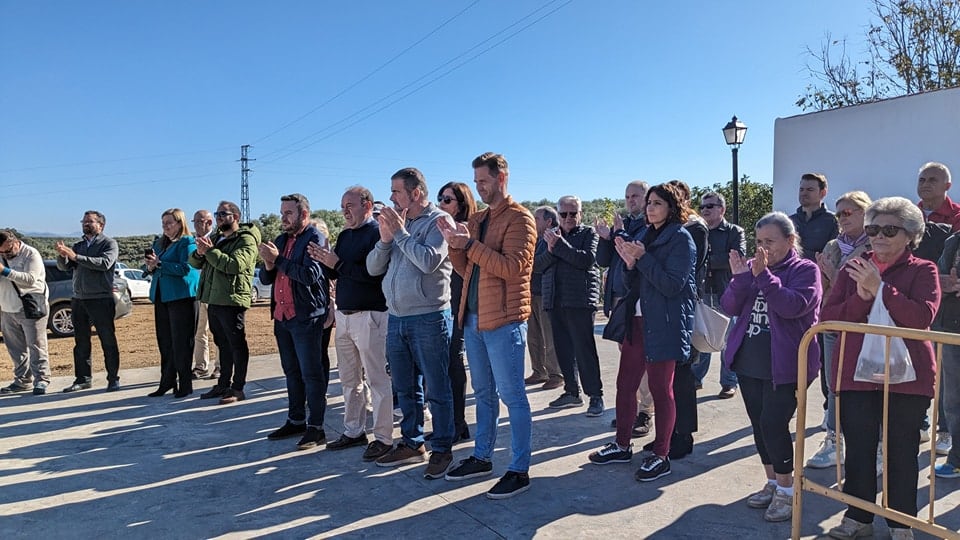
(913, 46)
(756, 200)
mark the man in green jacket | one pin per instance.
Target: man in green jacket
(226, 260)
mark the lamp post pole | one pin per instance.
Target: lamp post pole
(734, 133)
(736, 187)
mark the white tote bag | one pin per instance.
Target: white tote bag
(709, 329)
(870, 363)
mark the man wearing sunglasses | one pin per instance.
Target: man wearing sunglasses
(22, 272)
(203, 226)
(814, 223)
(571, 292)
(226, 260)
(723, 238)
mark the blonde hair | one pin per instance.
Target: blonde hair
(180, 218)
(857, 198)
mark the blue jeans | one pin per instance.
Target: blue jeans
(830, 340)
(496, 368)
(950, 398)
(307, 371)
(420, 344)
(701, 365)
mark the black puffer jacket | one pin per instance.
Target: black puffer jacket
(571, 277)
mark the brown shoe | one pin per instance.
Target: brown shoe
(439, 463)
(402, 455)
(552, 383)
(534, 379)
(232, 396)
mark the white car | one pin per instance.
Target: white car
(138, 285)
(259, 291)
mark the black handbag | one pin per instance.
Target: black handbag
(616, 328)
(34, 304)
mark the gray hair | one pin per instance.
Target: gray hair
(938, 166)
(714, 195)
(570, 199)
(904, 210)
(548, 212)
(640, 184)
(782, 222)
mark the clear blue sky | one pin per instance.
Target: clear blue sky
(132, 107)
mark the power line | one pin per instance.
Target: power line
(422, 86)
(363, 79)
(101, 161)
(106, 175)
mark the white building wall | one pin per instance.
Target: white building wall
(877, 148)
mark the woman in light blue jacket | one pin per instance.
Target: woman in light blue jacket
(173, 291)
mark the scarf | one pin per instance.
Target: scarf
(847, 246)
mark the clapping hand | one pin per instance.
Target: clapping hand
(551, 236)
(630, 252)
(323, 253)
(759, 261)
(269, 253)
(867, 276)
(65, 252)
(738, 263)
(456, 234)
(203, 244)
(391, 223)
(602, 228)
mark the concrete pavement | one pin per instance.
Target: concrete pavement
(93, 464)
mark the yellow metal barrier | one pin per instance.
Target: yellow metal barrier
(802, 484)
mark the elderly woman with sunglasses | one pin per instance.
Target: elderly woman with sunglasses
(852, 242)
(910, 290)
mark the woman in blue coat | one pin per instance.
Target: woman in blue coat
(660, 306)
(173, 291)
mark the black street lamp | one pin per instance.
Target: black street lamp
(734, 133)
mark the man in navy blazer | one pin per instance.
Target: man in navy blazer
(298, 304)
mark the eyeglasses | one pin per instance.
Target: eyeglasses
(219, 215)
(709, 206)
(847, 213)
(446, 200)
(566, 215)
(888, 230)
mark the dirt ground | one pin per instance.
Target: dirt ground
(138, 342)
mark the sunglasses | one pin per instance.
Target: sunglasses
(888, 230)
(847, 213)
(219, 215)
(566, 215)
(709, 206)
(446, 200)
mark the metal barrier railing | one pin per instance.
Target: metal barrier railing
(802, 484)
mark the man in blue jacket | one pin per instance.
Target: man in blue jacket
(298, 304)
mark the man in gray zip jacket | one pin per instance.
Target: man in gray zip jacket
(92, 260)
(413, 255)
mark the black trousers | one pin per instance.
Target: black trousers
(98, 313)
(685, 397)
(227, 323)
(176, 326)
(860, 416)
(458, 378)
(770, 409)
(576, 350)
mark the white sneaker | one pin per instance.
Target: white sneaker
(826, 456)
(944, 443)
(427, 416)
(925, 435)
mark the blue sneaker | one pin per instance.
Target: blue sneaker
(946, 470)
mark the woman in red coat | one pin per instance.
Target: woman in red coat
(910, 290)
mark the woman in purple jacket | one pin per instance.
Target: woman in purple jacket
(775, 297)
(910, 291)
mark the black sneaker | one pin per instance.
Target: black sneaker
(312, 438)
(215, 392)
(14, 387)
(376, 450)
(596, 407)
(512, 483)
(652, 467)
(470, 468)
(641, 426)
(566, 401)
(611, 453)
(346, 442)
(287, 430)
(78, 385)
